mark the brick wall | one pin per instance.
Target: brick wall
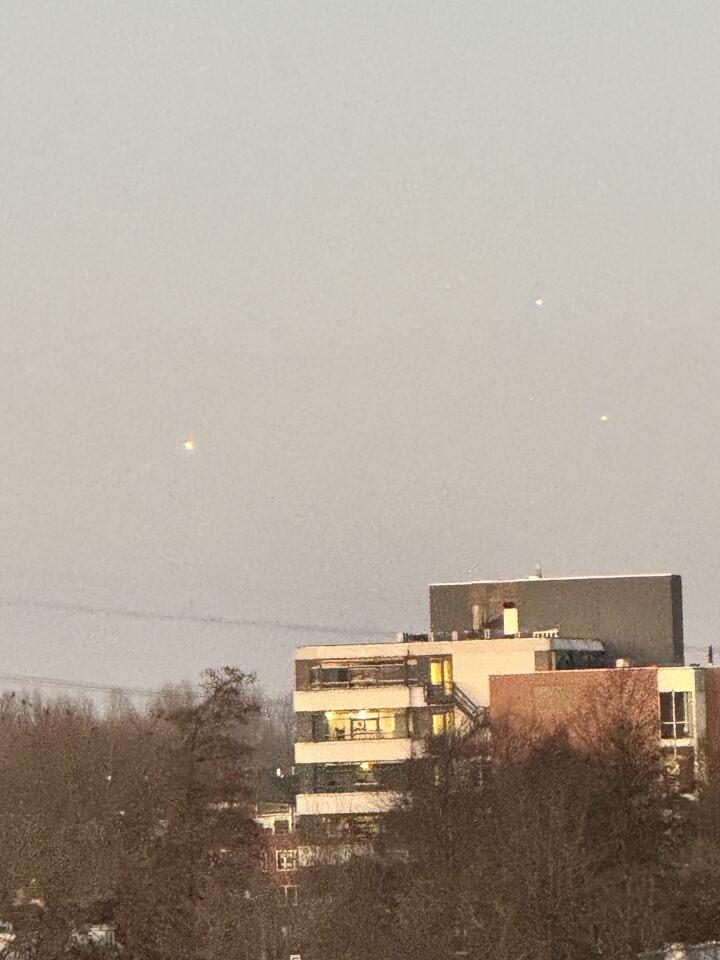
(712, 721)
(583, 702)
(274, 843)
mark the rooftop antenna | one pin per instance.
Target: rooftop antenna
(710, 657)
(538, 571)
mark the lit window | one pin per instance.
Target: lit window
(387, 722)
(441, 673)
(286, 859)
(436, 672)
(443, 723)
(358, 725)
(366, 775)
(675, 715)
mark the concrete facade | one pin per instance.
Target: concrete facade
(363, 710)
(536, 650)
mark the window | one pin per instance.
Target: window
(578, 659)
(282, 826)
(441, 673)
(286, 859)
(436, 672)
(333, 675)
(359, 673)
(443, 723)
(359, 725)
(366, 775)
(290, 893)
(675, 715)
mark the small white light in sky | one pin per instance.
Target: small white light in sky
(539, 302)
(189, 444)
(604, 418)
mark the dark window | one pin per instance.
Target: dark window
(578, 659)
(286, 860)
(320, 727)
(334, 675)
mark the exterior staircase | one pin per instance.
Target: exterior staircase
(475, 714)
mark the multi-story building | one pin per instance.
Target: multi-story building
(363, 710)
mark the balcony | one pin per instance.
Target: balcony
(359, 725)
(351, 675)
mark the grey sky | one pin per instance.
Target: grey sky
(311, 235)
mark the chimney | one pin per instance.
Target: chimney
(511, 625)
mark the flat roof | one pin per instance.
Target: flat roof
(349, 651)
(595, 576)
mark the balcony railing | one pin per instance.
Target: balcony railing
(396, 734)
(364, 675)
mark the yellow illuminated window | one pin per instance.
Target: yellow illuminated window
(436, 672)
(443, 723)
(387, 722)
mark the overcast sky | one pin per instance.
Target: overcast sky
(311, 236)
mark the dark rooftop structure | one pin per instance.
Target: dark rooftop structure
(638, 617)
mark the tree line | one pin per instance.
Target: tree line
(142, 819)
(527, 844)
(508, 843)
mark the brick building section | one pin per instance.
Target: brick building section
(712, 722)
(279, 846)
(583, 702)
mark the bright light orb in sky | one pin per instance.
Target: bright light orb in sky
(539, 302)
(604, 418)
(189, 444)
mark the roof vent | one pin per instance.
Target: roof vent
(623, 663)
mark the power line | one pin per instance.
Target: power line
(205, 620)
(77, 684)
(135, 614)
